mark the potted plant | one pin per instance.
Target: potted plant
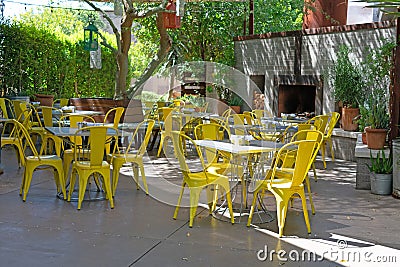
(378, 122)
(376, 71)
(381, 168)
(347, 84)
(235, 103)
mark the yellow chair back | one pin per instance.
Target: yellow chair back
(7, 109)
(118, 111)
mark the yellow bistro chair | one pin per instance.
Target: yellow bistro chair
(95, 165)
(291, 182)
(7, 108)
(132, 155)
(13, 139)
(198, 179)
(333, 119)
(35, 161)
(238, 121)
(62, 101)
(166, 124)
(72, 120)
(290, 158)
(118, 111)
(49, 121)
(219, 160)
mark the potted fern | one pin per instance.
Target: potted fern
(381, 177)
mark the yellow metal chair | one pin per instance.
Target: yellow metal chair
(95, 165)
(62, 101)
(72, 121)
(238, 123)
(333, 119)
(283, 185)
(17, 107)
(213, 131)
(198, 179)
(7, 108)
(13, 139)
(290, 158)
(166, 124)
(35, 161)
(132, 155)
(249, 118)
(118, 111)
(219, 160)
(49, 121)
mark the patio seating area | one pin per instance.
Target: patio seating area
(140, 231)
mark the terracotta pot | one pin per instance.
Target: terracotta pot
(348, 114)
(364, 138)
(376, 138)
(236, 109)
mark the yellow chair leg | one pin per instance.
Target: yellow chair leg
(305, 211)
(229, 200)
(315, 172)
(331, 148)
(194, 201)
(161, 145)
(179, 200)
(253, 204)
(136, 175)
(144, 178)
(117, 164)
(323, 148)
(310, 195)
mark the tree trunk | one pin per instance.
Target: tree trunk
(122, 59)
(165, 46)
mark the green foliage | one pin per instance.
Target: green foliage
(377, 116)
(208, 28)
(235, 100)
(278, 15)
(347, 80)
(42, 56)
(381, 164)
(376, 74)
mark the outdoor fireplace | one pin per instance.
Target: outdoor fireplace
(297, 94)
(297, 99)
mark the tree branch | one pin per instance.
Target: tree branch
(155, 10)
(104, 43)
(165, 46)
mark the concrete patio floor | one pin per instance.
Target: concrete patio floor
(350, 228)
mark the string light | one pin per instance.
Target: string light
(47, 6)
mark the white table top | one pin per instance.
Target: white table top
(84, 112)
(68, 131)
(233, 149)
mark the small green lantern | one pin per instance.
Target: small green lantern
(91, 37)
